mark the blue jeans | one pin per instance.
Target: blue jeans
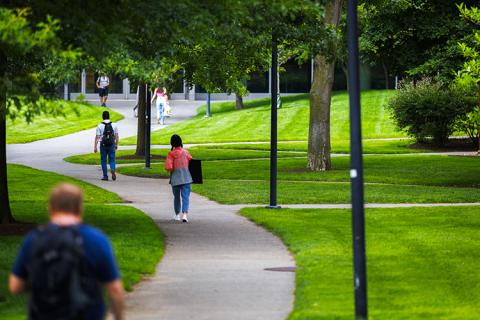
(161, 112)
(110, 152)
(182, 191)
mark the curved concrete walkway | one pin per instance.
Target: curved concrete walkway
(213, 267)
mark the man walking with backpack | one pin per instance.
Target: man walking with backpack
(107, 135)
(65, 264)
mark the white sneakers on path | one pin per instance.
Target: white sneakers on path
(184, 217)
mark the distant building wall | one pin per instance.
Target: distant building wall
(294, 78)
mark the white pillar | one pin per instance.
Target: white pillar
(84, 82)
(126, 88)
(65, 92)
(191, 93)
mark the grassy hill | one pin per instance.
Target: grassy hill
(253, 122)
(78, 116)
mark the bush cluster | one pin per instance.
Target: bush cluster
(430, 109)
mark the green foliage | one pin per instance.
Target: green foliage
(429, 109)
(22, 62)
(234, 39)
(470, 124)
(418, 37)
(469, 75)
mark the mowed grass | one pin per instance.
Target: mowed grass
(78, 116)
(422, 263)
(158, 155)
(370, 146)
(137, 242)
(389, 179)
(253, 122)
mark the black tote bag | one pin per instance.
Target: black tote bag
(195, 168)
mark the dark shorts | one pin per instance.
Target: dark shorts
(103, 92)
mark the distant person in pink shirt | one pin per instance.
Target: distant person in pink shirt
(180, 177)
(160, 98)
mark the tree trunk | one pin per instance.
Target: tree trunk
(320, 100)
(142, 103)
(238, 102)
(5, 211)
(385, 74)
(345, 72)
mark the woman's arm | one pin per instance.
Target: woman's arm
(169, 163)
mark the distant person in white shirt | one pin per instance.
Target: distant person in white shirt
(107, 135)
(103, 82)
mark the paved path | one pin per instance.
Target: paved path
(213, 267)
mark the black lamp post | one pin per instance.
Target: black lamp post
(356, 167)
(273, 129)
(148, 121)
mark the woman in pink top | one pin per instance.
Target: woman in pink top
(180, 177)
(160, 98)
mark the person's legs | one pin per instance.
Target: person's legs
(103, 160)
(162, 113)
(157, 104)
(111, 159)
(176, 198)
(185, 201)
(185, 197)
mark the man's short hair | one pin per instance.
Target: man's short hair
(106, 115)
(66, 197)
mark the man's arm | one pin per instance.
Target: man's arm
(117, 298)
(97, 138)
(117, 140)
(16, 284)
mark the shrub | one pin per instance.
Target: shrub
(470, 124)
(428, 108)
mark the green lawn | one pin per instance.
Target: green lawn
(253, 151)
(300, 192)
(253, 124)
(158, 155)
(395, 146)
(389, 178)
(422, 263)
(137, 241)
(47, 126)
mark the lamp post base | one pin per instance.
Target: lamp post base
(273, 207)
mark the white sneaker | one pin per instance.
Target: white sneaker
(176, 217)
(184, 217)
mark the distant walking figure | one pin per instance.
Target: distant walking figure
(103, 82)
(107, 134)
(180, 178)
(160, 99)
(65, 265)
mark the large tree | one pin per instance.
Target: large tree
(321, 93)
(22, 49)
(31, 42)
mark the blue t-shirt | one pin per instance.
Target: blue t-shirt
(100, 261)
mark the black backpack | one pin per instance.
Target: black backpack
(108, 138)
(59, 282)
